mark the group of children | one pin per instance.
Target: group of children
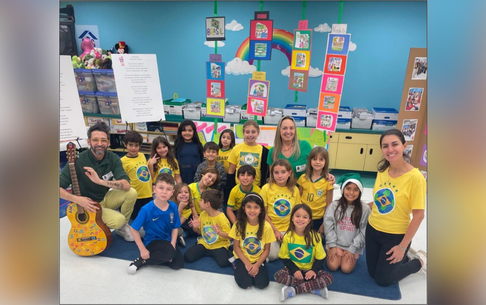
(290, 219)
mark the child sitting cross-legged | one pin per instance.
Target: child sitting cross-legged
(214, 228)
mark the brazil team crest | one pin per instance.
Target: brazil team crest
(143, 173)
(282, 207)
(319, 193)
(384, 200)
(165, 170)
(209, 235)
(252, 245)
(249, 158)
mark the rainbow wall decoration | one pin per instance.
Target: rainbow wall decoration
(282, 41)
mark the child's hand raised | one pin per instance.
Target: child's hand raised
(153, 160)
(194, 223)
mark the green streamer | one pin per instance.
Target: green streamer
(341, 4)
(304, 4)
(261, 5)
(296, 98)
(215, 8)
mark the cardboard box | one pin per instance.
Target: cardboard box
(118, 126)
(85, 80)
(88, 101)
(345, 112)
(105, 80)
(384, 113)
(383, 124)
(343, 124)
(108, 103)
(93, 120)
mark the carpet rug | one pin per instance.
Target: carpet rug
(357, 282)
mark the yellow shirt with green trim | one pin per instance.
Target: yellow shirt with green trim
(279, 202)
(210, 240)
(243, 154)
(315, 194)
(139, 174)
(186, 212)
(395, 198)
(223, 156)
(196, 196)
(237, 194)
(251, 246)
(293, 247)
(164, 167)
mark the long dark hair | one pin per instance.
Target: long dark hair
(232, 135)
(342, 206)
(179, 141)
(242, 218)
(170, 153)
(309, 234)
(384, 164)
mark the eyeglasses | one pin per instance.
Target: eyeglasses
(96, 140)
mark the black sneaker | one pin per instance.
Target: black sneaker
(135, 265)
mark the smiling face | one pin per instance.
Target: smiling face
(226, 140)
(301, 219)
(318, 162)
(287, 130)
(183, 195)
(162, 150)
(99, 143)
(246, 179)
(392, 148)
(210, 154)
(252, 210)
(250, 134)
(208, 179)
(281, 175)
(132, 148)
(187, 133)
(351, 192)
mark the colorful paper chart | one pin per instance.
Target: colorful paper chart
(215, 86)
(301, 56)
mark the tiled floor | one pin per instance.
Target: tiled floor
(101, 280)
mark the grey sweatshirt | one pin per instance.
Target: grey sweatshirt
(344, 234)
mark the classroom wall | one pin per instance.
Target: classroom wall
(383, 31)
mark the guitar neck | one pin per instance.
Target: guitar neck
(74, 180)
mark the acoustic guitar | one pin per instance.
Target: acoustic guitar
(89, 235)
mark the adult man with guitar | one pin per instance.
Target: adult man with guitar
(102, 179)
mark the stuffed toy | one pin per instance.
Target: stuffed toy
(77, 62)
(86, 46)
(121, 47)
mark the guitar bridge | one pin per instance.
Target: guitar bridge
(82, 239)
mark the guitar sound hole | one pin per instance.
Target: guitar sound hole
(82, 217)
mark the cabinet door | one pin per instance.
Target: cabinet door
(350, 156)
(332, 149)
(373, 156)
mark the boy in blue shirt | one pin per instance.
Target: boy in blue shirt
(160, 219)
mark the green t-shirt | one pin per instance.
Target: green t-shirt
(299, 165)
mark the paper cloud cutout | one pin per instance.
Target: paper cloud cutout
(234, 26)
(237, 66)
(324, 27)
(352, 46)
(211, 44)
(313, 72)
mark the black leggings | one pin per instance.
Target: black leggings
(161, 252)
(244, 280)
(377, 245)
(198, 251)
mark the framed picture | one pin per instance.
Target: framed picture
(260, 50)
(257, 106)
(326, 120)
(262, 15)
(329, 102)
(300, 60)
(409, 128)
(215, 107)
(215, 28)
(338, 44)
(214, 70)
(258, 88)
(419, 68)
(298, 80)
(414, 99)
(335, 64)
(302, 40)
(261, 30)
(215, 88)
(332, 83)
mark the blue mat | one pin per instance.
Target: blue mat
(357, 282)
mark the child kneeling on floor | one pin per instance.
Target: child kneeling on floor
(303, 255)
(214, 228)
(160, 219)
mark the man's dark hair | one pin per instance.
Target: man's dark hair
(99, 126)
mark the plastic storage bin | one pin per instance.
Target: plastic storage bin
(105, 80)
(299, 121)
(383, 124)
(343, 124)
(85, 80)
(108, 103)
(174, 107)
(191, 111)
(273, 116)
(232, 114)
(89, 103)
(311, 120)
(362, 118)
(385, 113)
(295, 110)
(345, 112)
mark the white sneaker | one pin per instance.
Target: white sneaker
(125, 233)
(412, 254)
(422, 255)
(286, 293)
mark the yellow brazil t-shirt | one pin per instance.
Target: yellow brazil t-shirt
(293, 247)
(164, 167)
(251, 246)
(315, 194)
(237, 194)
(139, 174)
(395, 198)
(210, 240)
(196, 196)
(186, 212)
(279, 202)
(243, 154)
(223, 156)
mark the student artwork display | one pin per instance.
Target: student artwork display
(301, 55)
(215, 87)
(207, 133)
(215, 28)
(408, 129)
(333, 77)
(420, 68)
(258, 91)
(414, 99)
(261, 35)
